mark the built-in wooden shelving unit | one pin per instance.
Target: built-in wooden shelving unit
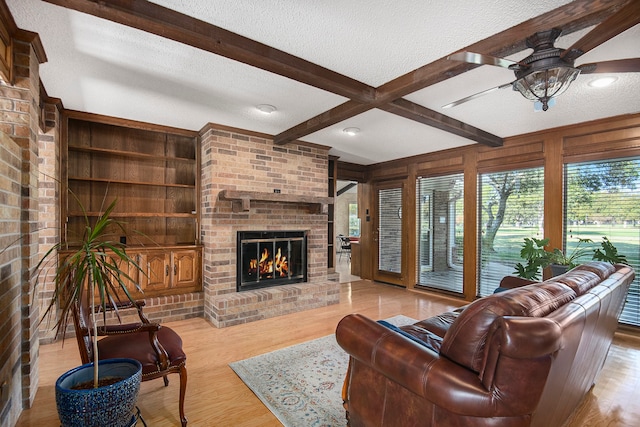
(153, 172)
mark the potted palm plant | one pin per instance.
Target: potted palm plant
(93, 271)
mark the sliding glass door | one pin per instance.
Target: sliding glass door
(440, 231)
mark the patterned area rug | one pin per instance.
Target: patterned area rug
(302, 384)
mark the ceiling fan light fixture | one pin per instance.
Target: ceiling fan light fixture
(543, 84)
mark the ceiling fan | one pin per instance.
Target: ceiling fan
(549, 70)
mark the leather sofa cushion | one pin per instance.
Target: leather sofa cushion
(465, 341)
(438, 325)
(602, 269)
(419, 335)
(585, 276)
(581, 281)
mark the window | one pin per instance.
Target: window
(390, 229)
(440, 227)
(511, 208)
(603, 200)
(354, 221)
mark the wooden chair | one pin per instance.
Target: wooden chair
(344, 246)
(158, 348)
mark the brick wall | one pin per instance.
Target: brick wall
(236, 161)
(19, 118)
(10, 270)
(49, 203)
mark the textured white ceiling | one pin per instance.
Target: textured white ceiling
(106, 68)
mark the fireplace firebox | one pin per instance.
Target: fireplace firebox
(270, 258)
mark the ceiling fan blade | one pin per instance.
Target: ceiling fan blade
(617, 23)
(477, 95)
(618, 66)
(479, 58)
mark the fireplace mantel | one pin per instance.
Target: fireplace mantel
(242, 200)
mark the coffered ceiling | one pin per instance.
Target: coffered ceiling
(376, 65)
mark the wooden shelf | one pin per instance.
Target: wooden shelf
(129, 154)
(137, 214)
(123, 181)
(153, 173)
(242, 200)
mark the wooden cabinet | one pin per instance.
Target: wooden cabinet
(167, 271)
(186, 268)
(156, 265)
(171, 270)
(153, 172)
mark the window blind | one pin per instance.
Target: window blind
(602, 199)
(511, 207)
(390, 230)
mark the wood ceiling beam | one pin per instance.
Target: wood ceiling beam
(413, 111)
(168, 23)
(330, 117)
(182, 28)
(572, 17)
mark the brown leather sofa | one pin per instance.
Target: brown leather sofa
(524, 356)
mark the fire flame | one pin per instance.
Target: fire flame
(267, 265)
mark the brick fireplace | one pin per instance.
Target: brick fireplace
(248, 184)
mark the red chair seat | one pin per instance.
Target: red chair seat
(137, 346)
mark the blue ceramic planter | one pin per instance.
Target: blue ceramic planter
(112, 405)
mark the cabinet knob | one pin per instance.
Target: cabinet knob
(166, 271)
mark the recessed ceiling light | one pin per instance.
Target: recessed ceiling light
(266, 108)
(351, 131)
(602, 81)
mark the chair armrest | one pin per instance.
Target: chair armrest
(124, 305)
(118, 305)
(128, 328)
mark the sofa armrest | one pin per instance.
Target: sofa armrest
(528, 337)
(512, 282)
(415, 367)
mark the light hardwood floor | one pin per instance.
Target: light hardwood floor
(217, 397)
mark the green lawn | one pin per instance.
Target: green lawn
(626, 240)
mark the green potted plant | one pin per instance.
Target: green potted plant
(560, 263)
(537, 258)
(93, 270)
(609, 253)
(533, 250)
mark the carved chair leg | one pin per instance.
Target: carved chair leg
(183, 389)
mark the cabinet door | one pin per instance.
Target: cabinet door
(158, 271)
(186, 268)
(135, 275)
